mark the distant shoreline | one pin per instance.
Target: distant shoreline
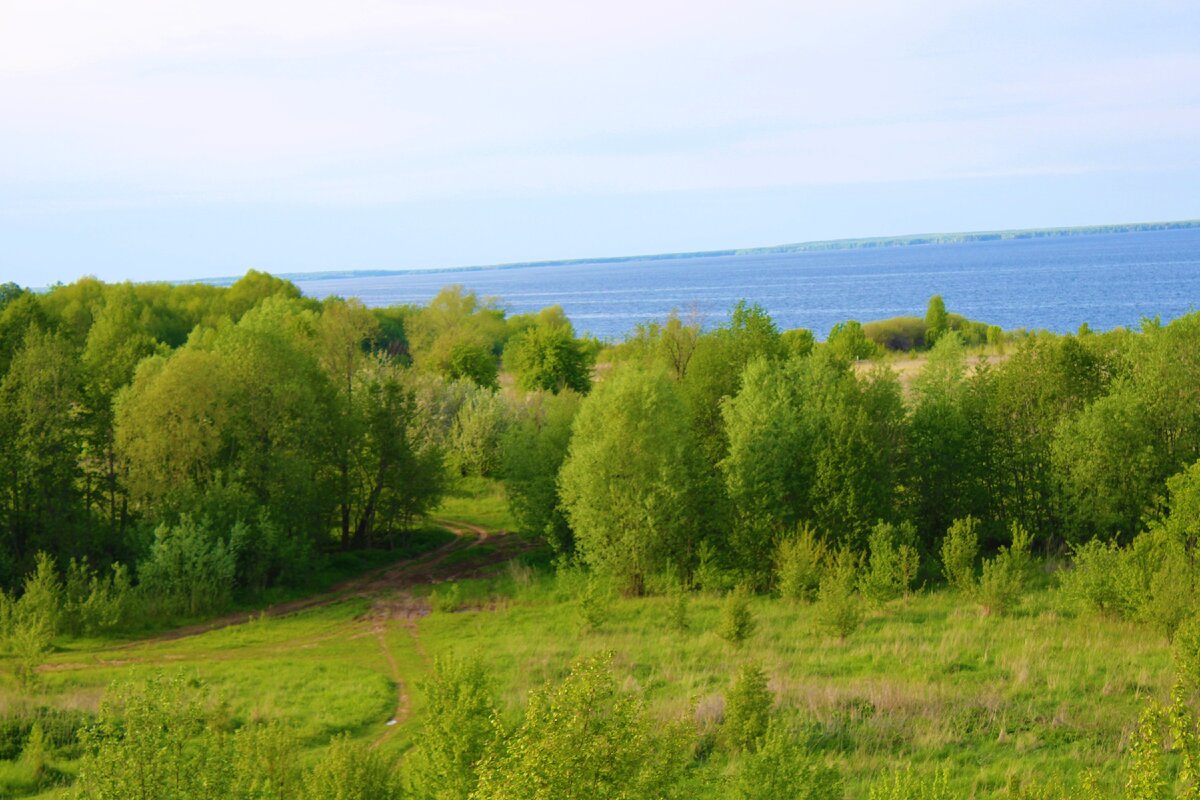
(799, 247)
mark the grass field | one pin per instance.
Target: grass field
(926, 681)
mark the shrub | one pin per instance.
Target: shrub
(960, 549)
(264, 763)
(95, 603)
(351, 771)
(892, 564)
(747, 707)
(584, 739)
(798, 565)
(153, 740)
(1005, 577)
(781, 770)
(1097, 578)
(737, 623)
(839, 608)
(458, 729)
(446, 598)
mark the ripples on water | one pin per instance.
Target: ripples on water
(1105, 280)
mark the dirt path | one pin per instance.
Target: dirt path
(475, 551)
(427, 568)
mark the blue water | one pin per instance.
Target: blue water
(1105, 280)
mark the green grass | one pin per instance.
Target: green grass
(477, 501)
(927, 680)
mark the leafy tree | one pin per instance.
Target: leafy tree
(254, 287)
(40, 438)
(767, 473)
(477, 432)
(343, 329)
(848, 340)
(632, 486)
(547, 356)
(937, 322)
(715, 369)
(244, 410)
(533, 450)
(948, 446)
(584, 739)
(458, 336)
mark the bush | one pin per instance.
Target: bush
(351, 771)
(798, 565)
(960, 549)
(1006, 576)
(737, 623)
(189, 570)
(95, 603)
(153, 740)
(264, 763)
(1099, 578)
(458, 729)
(584, 739)
(839, 608)
(781, 770)
(747, 707)
(892, 564)
(446, 598)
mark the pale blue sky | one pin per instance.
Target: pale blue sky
(146, 139)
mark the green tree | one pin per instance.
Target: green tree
(632, 486)
(40, 444)
(533, 451)
(937, 322)
(849, 341)
(547, 356)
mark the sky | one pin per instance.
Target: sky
(142, 139)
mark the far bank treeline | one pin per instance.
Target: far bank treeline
(248, 429)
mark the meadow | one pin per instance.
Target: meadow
(927, 682)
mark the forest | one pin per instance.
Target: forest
(1020, 509)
